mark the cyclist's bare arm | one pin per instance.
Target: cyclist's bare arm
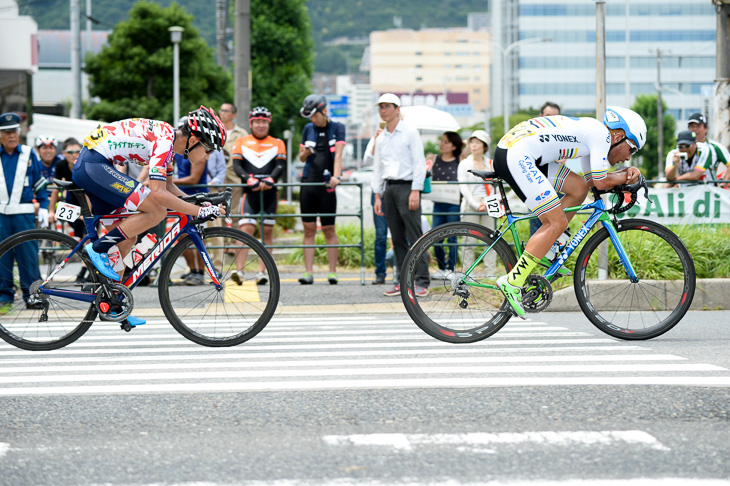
(626, 175)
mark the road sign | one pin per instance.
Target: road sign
(338, 106)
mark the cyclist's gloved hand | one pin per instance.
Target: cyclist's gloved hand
(252, 182)
(268, 181)
(43, 217)
(208, 212)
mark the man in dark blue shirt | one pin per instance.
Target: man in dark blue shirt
(21, 183)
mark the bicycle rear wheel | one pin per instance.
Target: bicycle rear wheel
(225, 317)
(457, 310)
(26, 259)
(636, 310)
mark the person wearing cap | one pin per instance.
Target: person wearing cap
(690, 161)
(45, 147)
(399, 172)
(323, 143)
(473, 195)
(525, 158)
(259, 161)
(697, 123)
(21, 181)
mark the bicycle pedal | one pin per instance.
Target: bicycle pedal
(124, 326)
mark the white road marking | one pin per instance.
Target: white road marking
(407, 442)
(298, 385)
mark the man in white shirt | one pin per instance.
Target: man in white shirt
(398, 177)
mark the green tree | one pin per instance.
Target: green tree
(133, 74)
(645, 105)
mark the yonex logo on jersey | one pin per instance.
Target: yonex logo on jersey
(543, 196)
(564, 138)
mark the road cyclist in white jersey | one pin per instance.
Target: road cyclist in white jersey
(144, 142)
(525, 158)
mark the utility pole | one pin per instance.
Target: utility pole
(659, 110)
(721, 124)
(242, 55)
(221, 20)
(75, 9)
(601, 105)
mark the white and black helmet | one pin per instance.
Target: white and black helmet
(205, 124)
(629, 121)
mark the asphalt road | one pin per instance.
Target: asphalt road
(370, 399)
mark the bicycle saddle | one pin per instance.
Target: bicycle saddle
(484, 174)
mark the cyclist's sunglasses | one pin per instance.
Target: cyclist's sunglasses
(208, 150)
(632, 147)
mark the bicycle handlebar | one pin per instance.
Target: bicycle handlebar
(214, 199)
(621, 206)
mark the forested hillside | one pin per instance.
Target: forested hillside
(330, 19)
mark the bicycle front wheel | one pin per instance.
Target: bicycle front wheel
(459, 308)
(26, 260)
(226, 317)
(653, 304)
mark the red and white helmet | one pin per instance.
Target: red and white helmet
(45, 140)
(209, 129)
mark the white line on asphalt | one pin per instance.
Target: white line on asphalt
(422, 370)
(4, 447)
(407, 442)
(139, 346)
(342, 362)
(451, 382)
(233, 353)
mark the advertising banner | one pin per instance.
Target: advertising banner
(683, 205)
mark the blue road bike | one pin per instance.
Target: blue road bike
(58, 307)
(640, 288)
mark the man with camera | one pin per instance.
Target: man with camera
(690, 161)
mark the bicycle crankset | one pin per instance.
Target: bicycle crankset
(538, 293)
(114, 302)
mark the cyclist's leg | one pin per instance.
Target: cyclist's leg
(573, 187)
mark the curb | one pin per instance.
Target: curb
(710, 294)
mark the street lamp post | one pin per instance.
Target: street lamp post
(505, 91)
(176, 38)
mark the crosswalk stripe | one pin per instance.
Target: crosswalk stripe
(341, 352)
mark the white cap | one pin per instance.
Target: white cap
(481, 135)
(388, 98)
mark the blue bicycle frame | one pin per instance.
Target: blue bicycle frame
(180, 227)
(599, 215)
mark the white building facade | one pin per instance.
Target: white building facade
(681, 33)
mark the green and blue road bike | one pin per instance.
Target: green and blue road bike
(633, 278)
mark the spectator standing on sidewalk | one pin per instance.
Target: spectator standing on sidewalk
(380, 246)
(228, 114)
(45, 146)
(547, 109)
(718, 152)
(398, 177)
(20, 183)
(323, 142)
(474, 194)
(446, 198)
(259, 160)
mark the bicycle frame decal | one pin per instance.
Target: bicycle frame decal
(154, 255)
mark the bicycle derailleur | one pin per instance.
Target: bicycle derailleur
(537, 294)
(37, 299)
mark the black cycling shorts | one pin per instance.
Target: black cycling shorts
(316, 199)
(251, 206)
